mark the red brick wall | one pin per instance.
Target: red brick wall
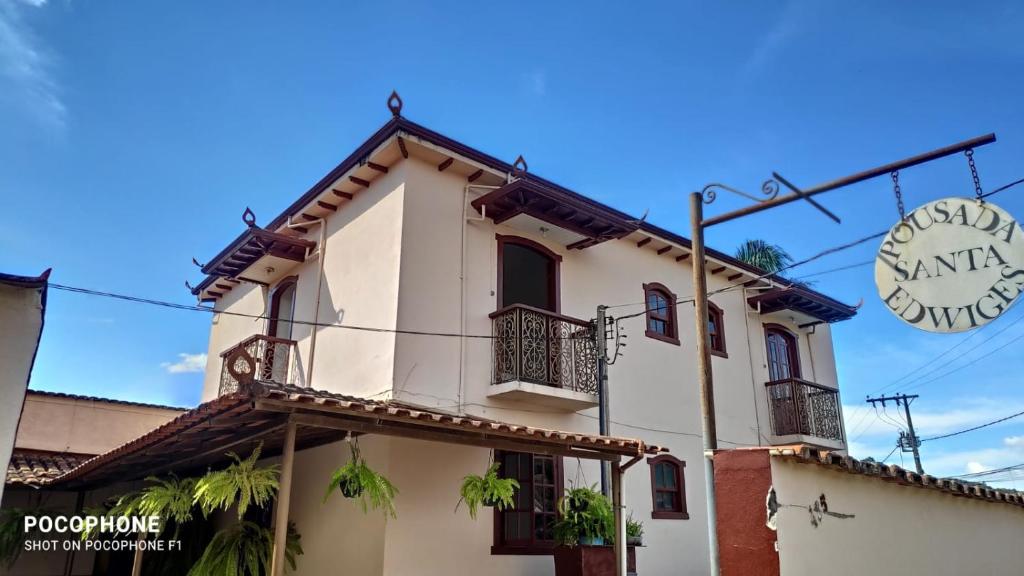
(746, 547)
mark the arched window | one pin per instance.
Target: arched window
(668, 488)
(716, 330)
(661, 313)
(282, 309)
(783, 353)
(527, 274)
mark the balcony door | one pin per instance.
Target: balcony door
(282, 309)
(783, 355)
(527, 274)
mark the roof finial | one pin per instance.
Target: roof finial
(395, 104)
(249, 217)
(519, 165)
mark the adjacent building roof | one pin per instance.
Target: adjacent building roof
(258, 414)
(522, 192)
(805, 300)
(36, 467)
(893, 473)
(64, 395)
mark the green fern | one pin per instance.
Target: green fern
(584, 513)
(241, 483)
(488, 490)
(12, 532)
(170, 499)
(245, 549)
(357, 480)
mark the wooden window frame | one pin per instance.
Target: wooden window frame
(499, 547)
(680, 467)
(717, 315)
(555, 262)
(796, 371)
(275, 302)
(670, 319)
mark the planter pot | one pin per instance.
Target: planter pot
(350, 489)
(590, 560)
(635, 541)
(591, 541)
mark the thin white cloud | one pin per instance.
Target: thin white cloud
(26, 66)
(967, 413)
(187, 363)
(536, 83)
(785, 28)
(975, 467)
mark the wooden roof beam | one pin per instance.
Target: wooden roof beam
(359, 181)
(664, 250)
(445, 165)
(643, 242)
(475, 175)
(718, 270)
(340, 194)
(326, 206)
(378, 167)
(682, 257)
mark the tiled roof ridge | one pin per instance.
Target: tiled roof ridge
(70, 396)
(894, 473)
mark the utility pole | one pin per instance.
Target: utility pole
(604, 418)
(770, 199)
(908, 441)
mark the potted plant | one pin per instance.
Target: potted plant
(634, 531)
(487, 490)
(585, 517)
(357, 480)
(585, 532)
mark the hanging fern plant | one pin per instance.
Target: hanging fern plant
(241, 483)
(245, 549)
(357, 480)
(487, 490)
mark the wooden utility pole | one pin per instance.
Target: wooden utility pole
(281, 505)
(908, 442)
(698, 223)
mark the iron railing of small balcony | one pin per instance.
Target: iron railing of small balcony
(541, 347)
(797, 406)
(257, 358)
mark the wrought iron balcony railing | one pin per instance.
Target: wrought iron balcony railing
(541, 347)
(257, 358)
(800, 407)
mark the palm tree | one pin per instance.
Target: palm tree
(760, 254)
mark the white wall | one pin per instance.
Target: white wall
(21, 319)
(896, 529)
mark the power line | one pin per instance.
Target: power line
(979, 427)
(197, 308)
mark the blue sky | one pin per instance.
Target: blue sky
(134, 134)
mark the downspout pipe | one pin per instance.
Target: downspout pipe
(321, 249)
(466, 218)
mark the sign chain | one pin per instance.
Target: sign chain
(899, 194)
(974, 174)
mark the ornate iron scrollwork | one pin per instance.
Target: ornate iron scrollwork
(769, 190)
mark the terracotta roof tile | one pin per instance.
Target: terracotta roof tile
(35, 467)
(48, 394)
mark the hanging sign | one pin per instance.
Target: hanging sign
(955, 264)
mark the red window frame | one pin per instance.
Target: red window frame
(532, 545)
(667, 315)
(678, 508)
(716, 330)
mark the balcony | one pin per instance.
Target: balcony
(257, 358)
(543, 358)
(803, 411)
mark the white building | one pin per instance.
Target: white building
(442, 280)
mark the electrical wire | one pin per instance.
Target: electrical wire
(890, 453)
(972, 429)
(197, 308)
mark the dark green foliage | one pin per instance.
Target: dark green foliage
(488, 490)
(12, 533)
(584, 513)
(760, 254)
(244, 549)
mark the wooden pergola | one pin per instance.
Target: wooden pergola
(287, 418)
